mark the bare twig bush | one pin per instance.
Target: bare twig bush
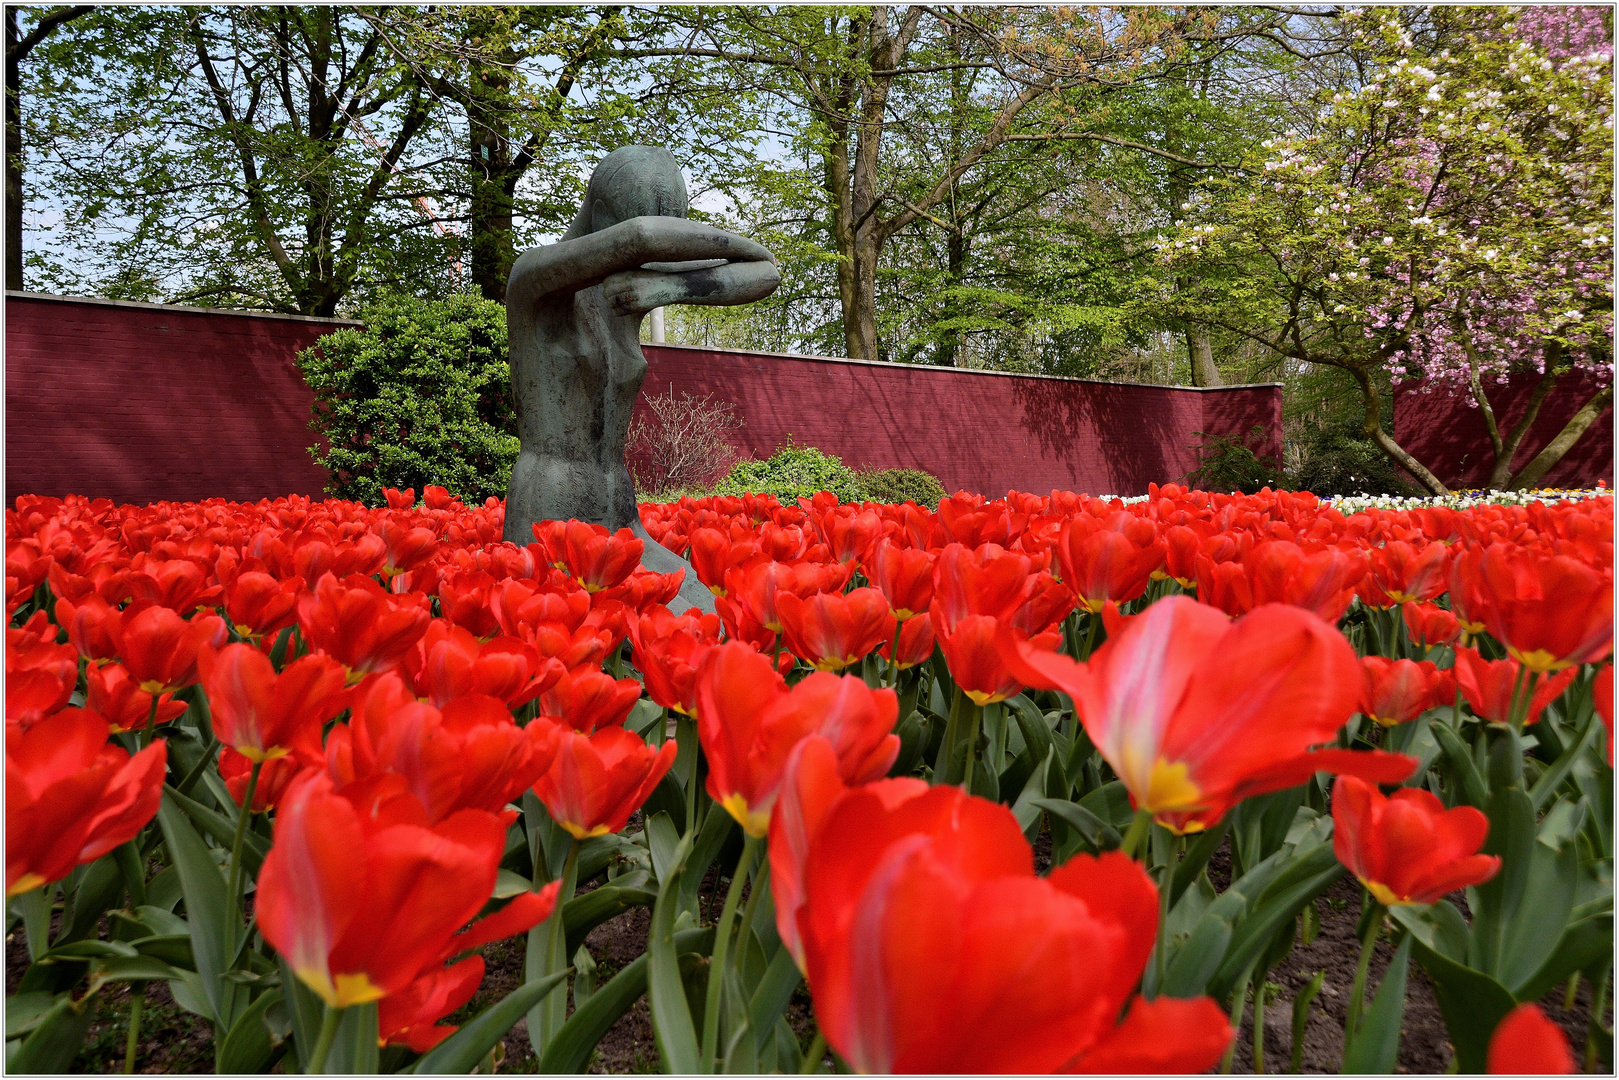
(681, 442)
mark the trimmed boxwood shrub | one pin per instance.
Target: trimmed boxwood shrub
(898, 485)
(421, 395)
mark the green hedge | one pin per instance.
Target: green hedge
(421, 395)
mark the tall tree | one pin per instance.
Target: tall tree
(843, 78)
(513, 72)
(277, 157)
(1448, 219)
(18, 46)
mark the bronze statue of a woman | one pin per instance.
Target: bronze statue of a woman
(573, 317)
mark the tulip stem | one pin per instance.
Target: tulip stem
(815, 1055)
(242, 816)
(144, 736)
(1094, 623)
(552, 1011)
(132, 1041)
(1166, 887)
(893, 658)
(722, 945)
(323, 1042)
(1374, 923)
(1137, 831)
(1239, 998)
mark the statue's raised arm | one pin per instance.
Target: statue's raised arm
(573, 317)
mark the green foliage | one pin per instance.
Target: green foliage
(898, 485)
(421, 396)
(1340, 460)
(1229, 463)
(792, 472)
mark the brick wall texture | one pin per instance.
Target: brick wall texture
(1447, 433)
(139, 403)
(978, 431)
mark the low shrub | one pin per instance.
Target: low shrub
(681, 443)
(1230, 463)
(793, 472)
(899, 485)
(421, 395)
(1341, 460)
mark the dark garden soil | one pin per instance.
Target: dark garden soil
(175, 1041)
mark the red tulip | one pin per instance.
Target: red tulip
(1196, 713)
(831, 631)
(1181, 545)
(931, 946)
(1224, 586)
(410, 1016)
(643, 589)
(975, 661)
(112, 694)
(358, 624)
(904, 575)
(178, 584)
(448, 662)
(1430, 625)
(1489, 686)
(810, 785)
(258, 605)
(1394, 691)
(1406, 848)
(1111, 559)
(87, 626)
(1400, 573)
(916, 641)
(667, 649)
(597, 781)
(591, 556)
(1525, 1043)
(850, 536)
(1323, 583)
(748, 722)
(159, 648)
(588, 700)
(40, 674)
(713, 555)
(276, 776)
(72, 796)
(408, 546)
(470, 755)
(362, 908)
(464, 600)
(1550, 612)
(262, 714)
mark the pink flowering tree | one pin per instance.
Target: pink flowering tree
(1448, 220)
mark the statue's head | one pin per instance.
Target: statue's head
(632, 181)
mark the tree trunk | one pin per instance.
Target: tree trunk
(1507, 448)
(1554, 451)
(1372, 425)
(493, 183)
(1200, 351)
(17, 49)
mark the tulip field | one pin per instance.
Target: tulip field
(1033, 784)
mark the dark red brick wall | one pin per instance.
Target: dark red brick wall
(978, 431)
(138, 403)
(1447, 434)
